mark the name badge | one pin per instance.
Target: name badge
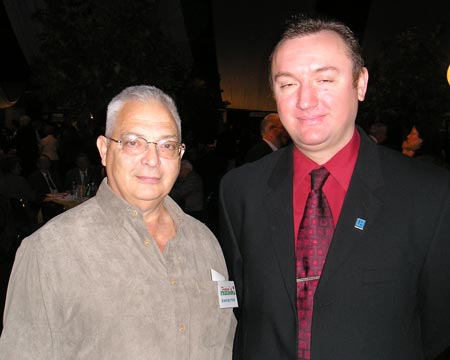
(227, 294)
(225, 290)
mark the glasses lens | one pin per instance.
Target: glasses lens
(168, 149)
(133, 145)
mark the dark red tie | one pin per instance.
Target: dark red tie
(314, 237)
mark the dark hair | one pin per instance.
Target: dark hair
(303, 25)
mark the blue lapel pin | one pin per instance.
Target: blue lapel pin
(360, 223)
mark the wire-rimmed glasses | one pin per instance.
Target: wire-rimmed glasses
(136, 145)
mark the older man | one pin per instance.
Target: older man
(127, 274)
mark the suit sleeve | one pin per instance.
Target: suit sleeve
(435, 286)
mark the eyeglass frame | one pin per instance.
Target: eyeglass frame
(181, 146)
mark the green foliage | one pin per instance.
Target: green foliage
(407, 83)
(92, 49)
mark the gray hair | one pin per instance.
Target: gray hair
(141, 93)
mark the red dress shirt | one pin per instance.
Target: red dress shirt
(340, 167)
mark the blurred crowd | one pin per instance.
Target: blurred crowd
(41, 157)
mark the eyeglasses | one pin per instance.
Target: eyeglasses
(137, 145)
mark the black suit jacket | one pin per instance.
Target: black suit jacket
(385, 290)
(40, 186)
(257, 151)
(73, 177)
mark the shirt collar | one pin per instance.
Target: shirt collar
(272, 146)
(340, 166)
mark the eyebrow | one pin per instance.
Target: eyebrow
(317, 71)
(164, 137)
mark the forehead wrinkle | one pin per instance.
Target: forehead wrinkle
(283, 74)
(318, 70)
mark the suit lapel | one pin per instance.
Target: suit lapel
(360, 202)
(278, 206)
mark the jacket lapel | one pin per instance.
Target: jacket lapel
(278, 206)
(361, 203)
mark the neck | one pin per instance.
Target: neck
(160, 226)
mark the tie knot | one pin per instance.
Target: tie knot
(318, 178)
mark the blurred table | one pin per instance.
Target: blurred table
(56, 203)
(66, 200)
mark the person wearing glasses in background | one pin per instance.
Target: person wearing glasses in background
(127, 274)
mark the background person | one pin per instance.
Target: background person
(273, 137)
(188, 190)
(45, 180)
(82, 175)
(378, 132)
(412, 143)
(374, 282)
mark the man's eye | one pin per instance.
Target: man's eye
(286, 85)
(131, 143)
(168, 146)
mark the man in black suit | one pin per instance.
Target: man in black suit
(274, 136)
(384, 290)
(44, 180)
(83, 174)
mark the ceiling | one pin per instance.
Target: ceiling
(229, 41)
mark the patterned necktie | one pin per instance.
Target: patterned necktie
(314, 237)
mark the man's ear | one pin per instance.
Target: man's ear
(362, 84)
(102, 146)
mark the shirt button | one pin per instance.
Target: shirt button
(134, 213)
(181, 328)
(147, 242)
(173, 282)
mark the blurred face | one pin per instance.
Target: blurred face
(277, 134)
(413, 140)
(281, 134)
(316, 94)
(82, 163)
(142, 180)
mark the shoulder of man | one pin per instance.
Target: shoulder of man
(258, 171)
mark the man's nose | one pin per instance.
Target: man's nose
(151, 155)
(306, 96)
